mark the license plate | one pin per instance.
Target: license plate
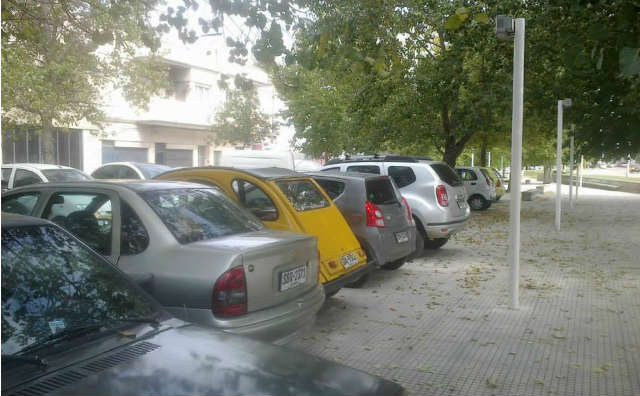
(402, 237)
(293, 278)
(349, 260)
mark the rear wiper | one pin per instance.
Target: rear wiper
(35, 360)
(61, 336)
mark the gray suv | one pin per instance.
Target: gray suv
(435, 193)
(376, 212)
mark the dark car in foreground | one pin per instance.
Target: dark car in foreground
(73, 324)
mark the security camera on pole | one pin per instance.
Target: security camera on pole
(561, 104)
(506, 28)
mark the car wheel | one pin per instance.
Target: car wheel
(435, 243)
(477, 202)
(420, 237)
(394, 265)
(359, 283)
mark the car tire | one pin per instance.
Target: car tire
(394, 265)
(436, 243)
(421, 234)
(478, 202)
(359, 283)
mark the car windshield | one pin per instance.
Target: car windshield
(62, 175)
(193, 214)
(51, 282)
(152, 170)
(447, 174)
(303, 195)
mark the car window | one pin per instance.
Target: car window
(336, 168)
(255, 199)
(60, 175)
(106, 172)
(333, 188)
(303, 195)
(402, 175)
(24, 178)
(466, 174)
(87, 216)
(446, 174)
(51, 282)
(6, 174)
(152, 170)
(21, 204)
(380, 191)
(134, 238)
(364, 169)
(196, 214)
(124, 172)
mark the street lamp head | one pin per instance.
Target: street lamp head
(566, 103)
(505, 27)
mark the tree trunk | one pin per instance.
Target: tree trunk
(483, 152)
(546, 179)
(48, 141)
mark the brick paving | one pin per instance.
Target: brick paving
(441, 324)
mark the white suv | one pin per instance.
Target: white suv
(436, 195)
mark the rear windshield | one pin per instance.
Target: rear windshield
(303, 195)
(380, 191)
(152, 170)
(199, 214)
(446, 174)
(485, 172)
(62, 175)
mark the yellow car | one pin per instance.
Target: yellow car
(290, 201)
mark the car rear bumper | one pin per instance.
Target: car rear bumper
(445, 230)
(384, 247)
(337, 284)
(279, 324)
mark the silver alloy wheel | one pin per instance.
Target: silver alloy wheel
(477, 202)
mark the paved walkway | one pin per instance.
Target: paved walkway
(440, 325)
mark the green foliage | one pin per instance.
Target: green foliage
(241, 121)
(59, 56)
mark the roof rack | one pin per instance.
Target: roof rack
(422, 158)
(372, 158)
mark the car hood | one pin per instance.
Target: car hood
(196, 361)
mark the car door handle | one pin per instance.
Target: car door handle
(473, 184)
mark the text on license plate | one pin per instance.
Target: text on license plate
(402, 237)
(349, 260)
(292, 278)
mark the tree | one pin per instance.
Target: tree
(240, 120)
(59, 57)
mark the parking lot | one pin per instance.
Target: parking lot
(441, 324)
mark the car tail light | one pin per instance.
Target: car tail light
(409, 214)
(441, 194)
(374, 215)
(230, 294)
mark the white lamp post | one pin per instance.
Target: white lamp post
(507, 27)
(561, 104)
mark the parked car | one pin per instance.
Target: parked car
(248, 159)
(286, 200)
(129, 170)
(206, 259)
(433, 190)
(18, 175)
(376, 212)
(480, 188)
(498, 182)
(73, 324)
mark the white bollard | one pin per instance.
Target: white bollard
(571, 174)
(559, 169)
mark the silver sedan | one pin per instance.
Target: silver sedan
(203, 257)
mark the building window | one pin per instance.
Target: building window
(203, 92)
